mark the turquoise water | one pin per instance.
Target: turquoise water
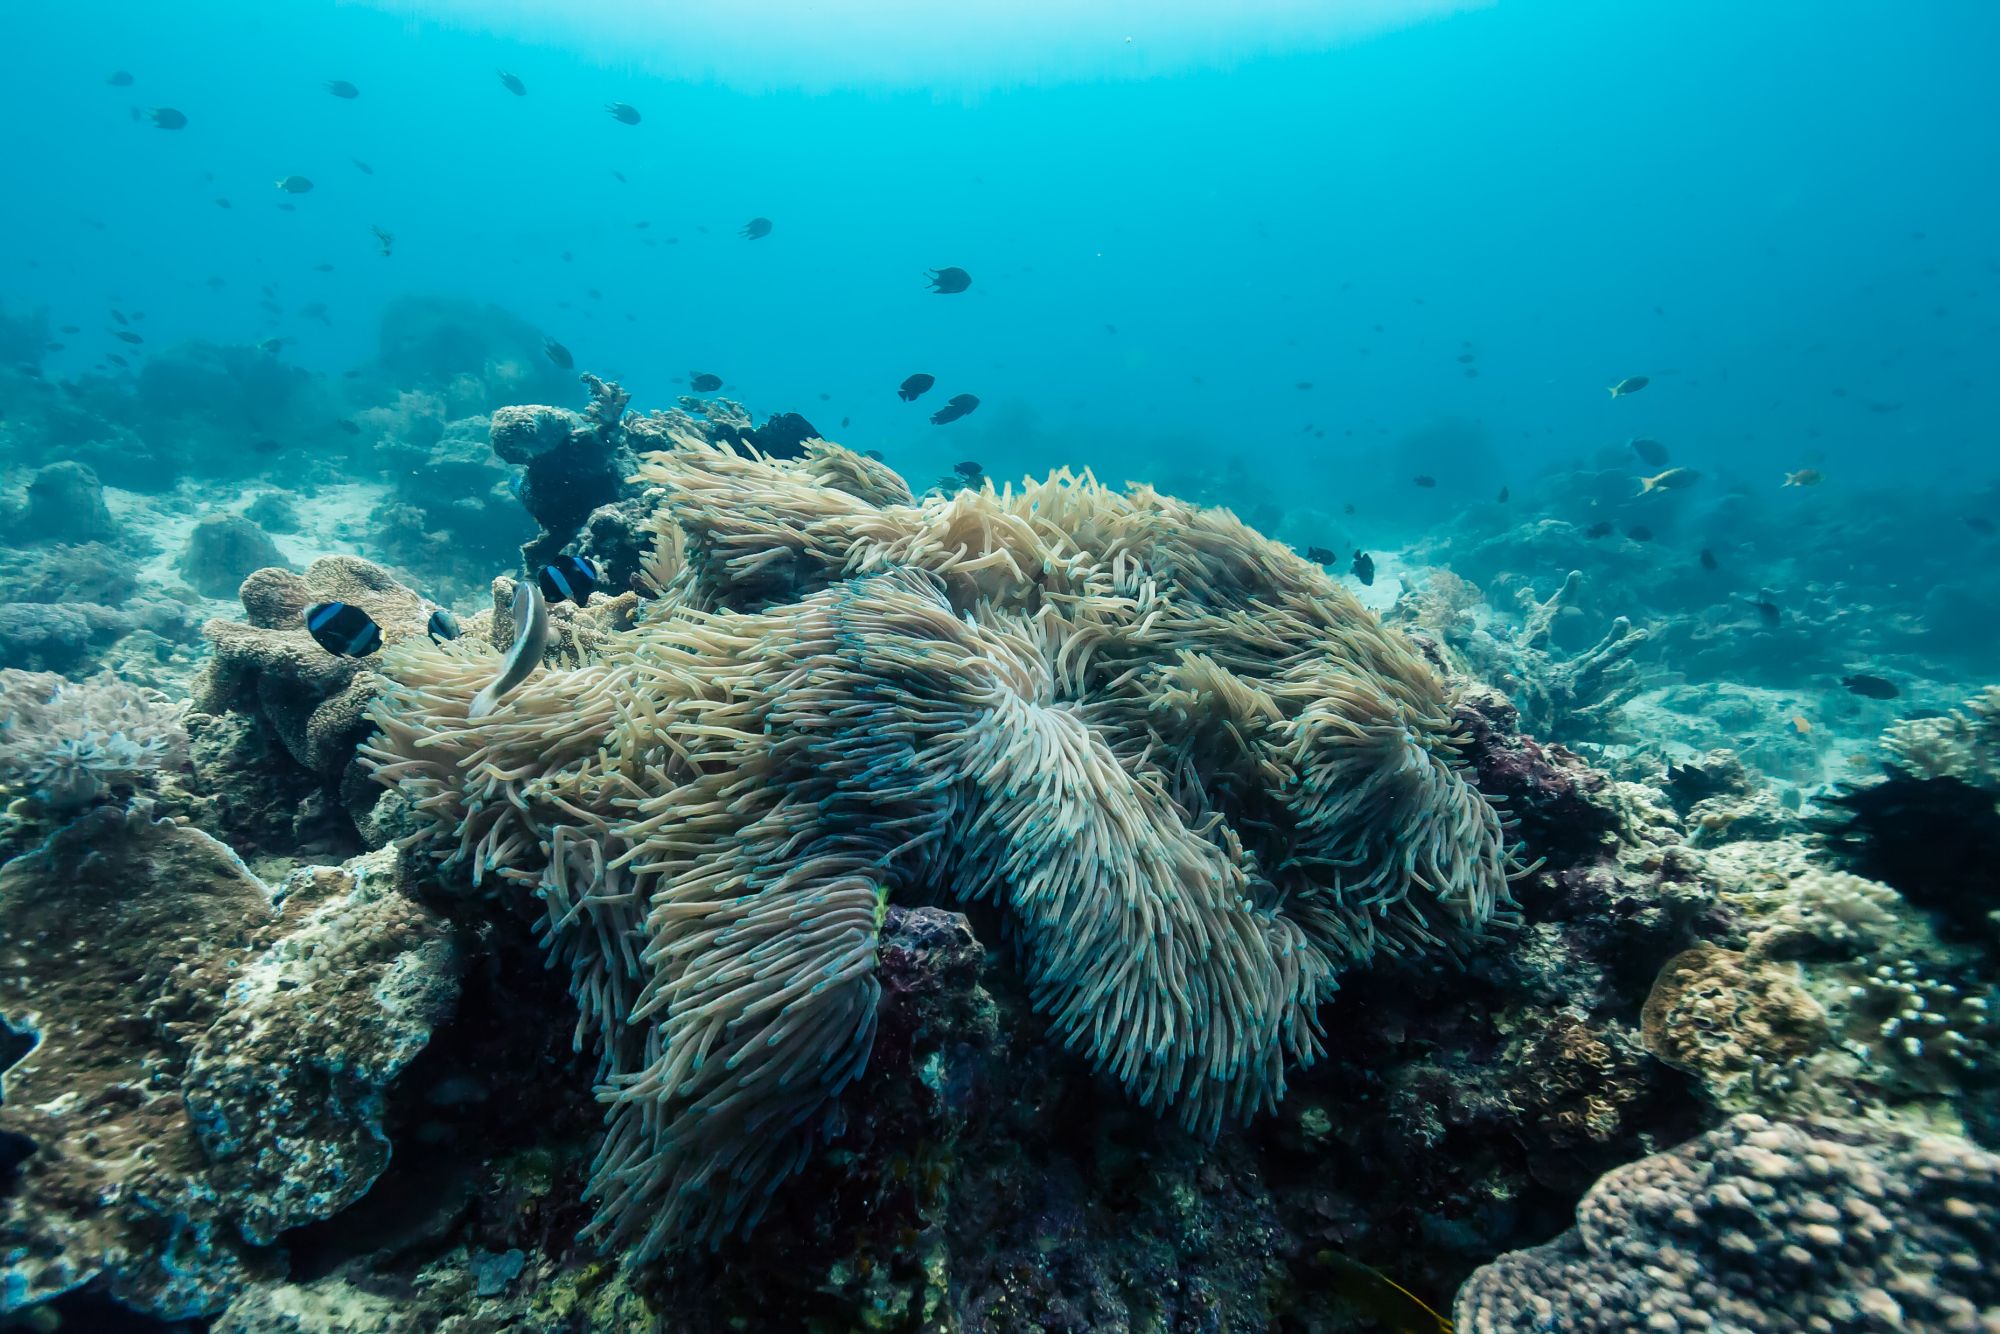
(1782, 214)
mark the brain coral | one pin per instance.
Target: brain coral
(1198, 778)
(1762, 1225)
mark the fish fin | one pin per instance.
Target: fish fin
(482, 704)
(1613, 391)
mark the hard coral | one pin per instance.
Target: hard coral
(1198, 777)
(1729, 1019)
(1762, 1225)
(207, 1069)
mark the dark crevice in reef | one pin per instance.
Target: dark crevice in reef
(497, 1094)
(88, 1313)
(1935, 841)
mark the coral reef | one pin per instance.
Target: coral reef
(1059, 701)
(572, 463)
(207, 1067)
(223, 551)
(65, 744)
(1763, 1225)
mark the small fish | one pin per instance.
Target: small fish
(1804, 477)
(1800, 725)
(1639, 532)
(70, 329)
(915, 387)
(1869, 686)
(55, 347)
(558, 354)
(1979, 523)
(362, 167)
(1631, 384)
(1501, 499)
(1321, 556)
(571, 578)
(127, 336)
(342, 88)
(1602, 528)
(957, 406)
(512, 83)
(619, 177)
(968, 469)
(531, 639)
(1673, 479)
(386, 240)
(267, 447)
(1767, 610)
(442, 626)
(166, 118)
(623, 112)
(1363, 569)
(704, 383)
(1348, 508)
(273, 346)
(220, 202)
(115, 359)
(1650, 452)
(342, 629)
(295, 185)
(756, 229)
(1303, 385)
(1708, 561)
(119, 315)
(348, 426)
(949, 281)
(1425, 481)
(120, 79)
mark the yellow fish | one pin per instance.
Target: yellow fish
(1804, 477)
(1801, 725)
(1391, 1304)
(1673, 479)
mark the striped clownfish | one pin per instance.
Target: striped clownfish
(343, 629)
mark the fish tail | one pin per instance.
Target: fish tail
(1613, 391)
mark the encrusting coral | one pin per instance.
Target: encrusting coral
(1766, 1225)
(1198, 778)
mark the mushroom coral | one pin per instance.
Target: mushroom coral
(1196, 776)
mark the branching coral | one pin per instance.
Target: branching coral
(66, 743)
(1198, 778)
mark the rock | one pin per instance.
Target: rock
(66, 504)
(223, 551)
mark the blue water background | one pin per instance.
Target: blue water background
(1784, 214)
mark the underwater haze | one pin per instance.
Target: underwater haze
(999, 666)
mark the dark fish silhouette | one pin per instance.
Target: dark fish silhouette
(1602, 528)
(1425, 481)
(568, 577)
(386, 240)
(295, 185)
(704, 383)
(623, 112)
(362, 167)
(1501, 499)
(223, 203)
(1320, 556)
(967, 469)
(1767, 610)
(1363, 569)
(267, 447)
(1631, 384)
(127, 336)
(167, 118)
(958, 406)
(915, 387)
(120, 79)
(1639, 532)
(1979, 523)
(558, 354)
(949, 281)
(756, 229)
(442, 626)
(348, 426)
(343, 629)
(119, 315)
(1650, 452)
(115, 359)
(1708, 561)
(512, 83)
(342, 88)
(1870, 687)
